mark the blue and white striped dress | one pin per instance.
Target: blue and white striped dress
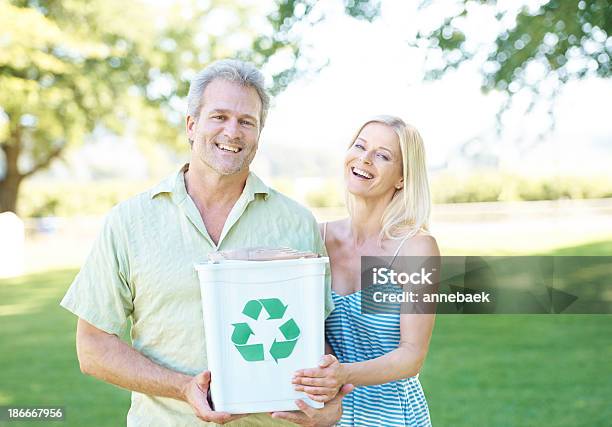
(356, 337)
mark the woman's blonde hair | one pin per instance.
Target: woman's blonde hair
(408, 211)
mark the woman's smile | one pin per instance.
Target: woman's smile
(361, 173)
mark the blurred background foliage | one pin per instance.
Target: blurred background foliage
(67, 67)
(71, 68)
(567, 39)
(68, 199)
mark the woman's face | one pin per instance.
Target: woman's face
(373, 164)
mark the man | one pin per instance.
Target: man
(141, 266)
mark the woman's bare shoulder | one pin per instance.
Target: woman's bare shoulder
(420, 245)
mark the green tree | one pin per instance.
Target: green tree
(570, 39)
(63, 66)
(67, 67)
(558, 41)
(551, 41)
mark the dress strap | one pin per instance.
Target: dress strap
(398, 249)
(324, 231)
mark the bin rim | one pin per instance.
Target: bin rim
(243, 264)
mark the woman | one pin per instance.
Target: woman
(381, 354)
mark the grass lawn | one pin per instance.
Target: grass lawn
(487, 370)
(38, 360)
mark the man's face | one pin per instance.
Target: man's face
(226, 132)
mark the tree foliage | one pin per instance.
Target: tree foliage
(539, 46)
(549, 40)
(287, 17)
(558, 41)
(70, 66)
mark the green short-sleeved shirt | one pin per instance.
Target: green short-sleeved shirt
(142, 267)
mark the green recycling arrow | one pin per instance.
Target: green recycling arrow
(274, 307)
(241, 334)
(252, 309)
(242, 331)
(290, 329)
(251, 352)
(282, 349)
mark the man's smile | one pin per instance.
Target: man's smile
(227, 147)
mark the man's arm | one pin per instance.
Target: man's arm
(106, 357)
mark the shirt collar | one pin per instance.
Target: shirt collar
(175, 185)
(255, 186)
(171, 184)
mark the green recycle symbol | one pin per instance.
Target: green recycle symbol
(242, 331)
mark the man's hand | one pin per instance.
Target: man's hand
(321, 384)
(196, 392)
(329, 415)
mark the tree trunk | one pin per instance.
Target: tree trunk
(9, 185)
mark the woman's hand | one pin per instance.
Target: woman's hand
(321, 384)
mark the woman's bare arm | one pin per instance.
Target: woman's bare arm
(403, 362)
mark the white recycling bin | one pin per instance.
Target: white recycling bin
(263, 320)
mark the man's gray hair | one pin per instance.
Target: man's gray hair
(232, 70)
